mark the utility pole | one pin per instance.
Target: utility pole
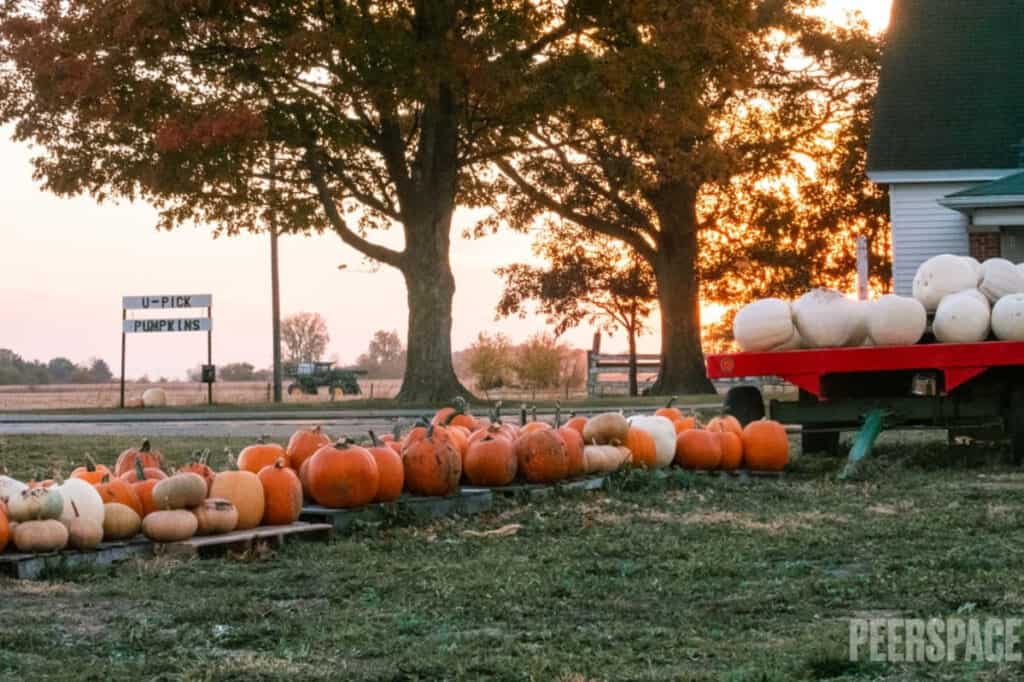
(275, 293)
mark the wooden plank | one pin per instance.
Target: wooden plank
(32, 566)
(541, 490)
(241, 540)
(467, 501)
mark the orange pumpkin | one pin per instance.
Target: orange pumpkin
(262, 454)
(433, 466)
(698, 449)
(641, 445)
(150, 459)
(673, 413)
(726, 422)
(343, 475)
(491, 461)
(142, 482)
(304, 479)
(303, 444)
(459, 439)
(542, 456)
(391, 473)
(685, 424)
(117, 490)
(92, 473)
(576, 424)
(244, 490)
(765, 446)
(455, 415)
(732, 450)
(573, 440)
(282, 494)
(199, 466)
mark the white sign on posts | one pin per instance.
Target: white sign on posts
(160, 302)
(197, 324)
(170, 324)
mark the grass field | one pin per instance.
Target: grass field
(684, 577)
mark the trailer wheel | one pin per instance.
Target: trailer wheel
(745, 403)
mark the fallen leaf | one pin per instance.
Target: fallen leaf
(503, 532)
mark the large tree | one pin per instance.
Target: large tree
(663, 108)
(585, 278)
(346, 116)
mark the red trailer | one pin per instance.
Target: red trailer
(970, 389)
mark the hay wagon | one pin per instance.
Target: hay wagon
(974, 389)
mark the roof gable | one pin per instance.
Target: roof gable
(951, 94)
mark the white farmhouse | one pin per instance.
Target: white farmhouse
(948, 131)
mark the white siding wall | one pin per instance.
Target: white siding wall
(921, 228)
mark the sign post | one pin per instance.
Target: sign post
(169, 324)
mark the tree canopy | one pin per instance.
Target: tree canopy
(346, 116)
(665, 108)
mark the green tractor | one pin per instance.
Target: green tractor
(310, 376)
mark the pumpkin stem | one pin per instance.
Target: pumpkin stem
(671, 400)
(90, 463)
(533, 413)
(232, 461)
(145, 445)
(205, 457)
(140, 473)
(522, 414)
(373, 438)
(396, 430)
(558, 414)
(497, 411)
(430, 431)
(75, 508)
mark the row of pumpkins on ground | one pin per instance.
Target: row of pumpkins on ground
(970, 302)
(99, 503)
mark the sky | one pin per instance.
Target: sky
(66, 263)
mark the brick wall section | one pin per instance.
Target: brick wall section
(985, 245)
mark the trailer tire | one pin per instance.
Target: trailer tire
(745, 403)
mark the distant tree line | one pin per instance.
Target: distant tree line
(539, 363)
(16, 370)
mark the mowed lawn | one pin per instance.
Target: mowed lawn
(678, 577)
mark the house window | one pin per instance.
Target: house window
(1012, 246)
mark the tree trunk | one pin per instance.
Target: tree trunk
(429, 375)
(634, 389)
(675, 274)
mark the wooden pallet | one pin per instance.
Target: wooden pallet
(541, 490)
(32, 566)
(244, 540)
(414, 508)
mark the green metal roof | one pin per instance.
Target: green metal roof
(951, 94)
(1010, 185)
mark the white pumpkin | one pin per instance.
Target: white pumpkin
(763, 325)
(80, 495)
(826, 319)
(1008, 318)
(896, 321)
(982, 298)
(1000, 278)
(859, 311)
(975, 265)
(961, 318)
(10, 488)
(941, 276)
(154, 397)
(664, 435)
(794, 343)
